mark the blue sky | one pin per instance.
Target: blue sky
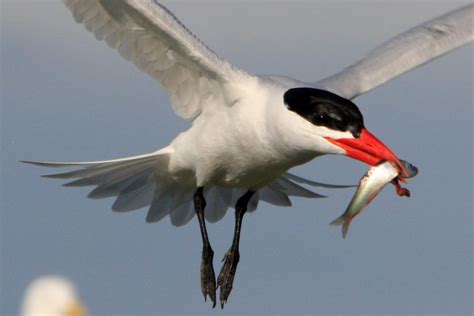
(68, 97)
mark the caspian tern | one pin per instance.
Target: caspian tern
(247, 130)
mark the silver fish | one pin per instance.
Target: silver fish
(369, 186)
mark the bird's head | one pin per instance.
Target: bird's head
(52, 296)
(339, 126)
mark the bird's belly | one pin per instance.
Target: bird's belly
(249, 177)
(253, 171)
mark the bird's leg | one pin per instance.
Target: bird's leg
(208, 279)
(231, 259)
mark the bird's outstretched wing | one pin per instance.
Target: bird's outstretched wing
(404, 52)
(149, 35)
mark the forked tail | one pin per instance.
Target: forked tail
(145, 181)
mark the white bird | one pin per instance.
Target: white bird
(247, 130)
(52, 296)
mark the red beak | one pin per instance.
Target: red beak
(369, 149)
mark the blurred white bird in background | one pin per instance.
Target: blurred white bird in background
(247, 130)
(52, 296)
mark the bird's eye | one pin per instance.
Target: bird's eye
(321, 118)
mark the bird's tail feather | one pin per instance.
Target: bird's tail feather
(312, 183)
(143, 181)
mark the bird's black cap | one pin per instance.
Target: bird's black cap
(324, 108)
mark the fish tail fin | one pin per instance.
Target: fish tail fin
(345, 222)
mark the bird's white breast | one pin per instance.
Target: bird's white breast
(237, 146)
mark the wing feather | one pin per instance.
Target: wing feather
(404, 52)
(149, 35)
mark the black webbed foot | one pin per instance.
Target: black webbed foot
(226, 276)
(208, 278)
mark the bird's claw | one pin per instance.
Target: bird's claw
(226, 276)
(208, 278)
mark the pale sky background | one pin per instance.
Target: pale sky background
(66, 96)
